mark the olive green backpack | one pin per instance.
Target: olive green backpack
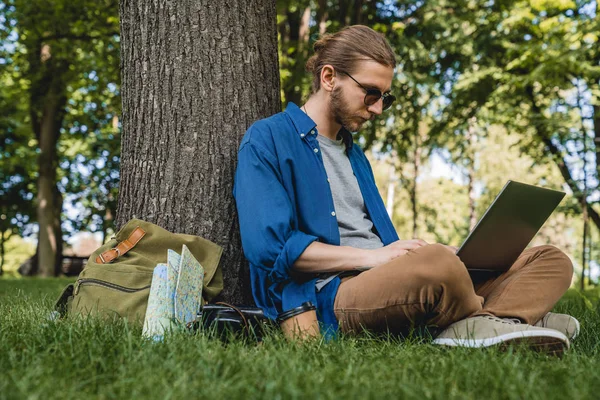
(116, 279)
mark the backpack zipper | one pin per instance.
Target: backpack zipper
(114, 286)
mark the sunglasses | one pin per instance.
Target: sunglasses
(373, 95)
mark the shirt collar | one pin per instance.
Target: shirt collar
(304, 124)
(346, 137)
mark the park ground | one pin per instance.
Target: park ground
(40, 358)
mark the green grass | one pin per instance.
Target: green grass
(81, 359)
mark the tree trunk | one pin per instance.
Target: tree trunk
(2, 249)
(49, 199)
(195, 76)
(584, 139)
(471, 140)
(584, 246)
(56, 225)
(413, 192)
(391, 191)
(596, 121)
(322, 16)
(556, 155)
(471, 189)
(303, 36)
(357, 12)
(343, 17)
(295, 46)
(566, 173)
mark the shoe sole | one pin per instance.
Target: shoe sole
(554, 347)
(547, 341)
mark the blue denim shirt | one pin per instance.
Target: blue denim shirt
(284, 204)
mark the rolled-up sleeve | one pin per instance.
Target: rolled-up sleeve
(270, 237)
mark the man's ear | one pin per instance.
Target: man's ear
(328, 77)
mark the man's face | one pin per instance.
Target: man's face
(347, 98)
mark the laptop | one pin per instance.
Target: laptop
(507, 227)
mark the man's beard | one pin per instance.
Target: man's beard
(342, 113)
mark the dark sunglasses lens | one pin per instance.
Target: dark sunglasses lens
(372, 97)
(387, 101)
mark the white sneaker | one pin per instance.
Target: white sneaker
(486, 330)
(563, 323)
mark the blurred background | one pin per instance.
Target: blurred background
(487, 91)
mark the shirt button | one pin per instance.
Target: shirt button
(312, 132)
(333, 213)
(328, 180)
(302, 135)
(316, 150)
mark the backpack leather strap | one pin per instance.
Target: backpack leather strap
(121, 248)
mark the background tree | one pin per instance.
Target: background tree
(525, 60)
(299, 24)
(55, 53)
(17, 162)
(519, 77)
(194, 79)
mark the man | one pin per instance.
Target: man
(315, 228)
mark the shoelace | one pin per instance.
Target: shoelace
(511, 321)
(515, 321)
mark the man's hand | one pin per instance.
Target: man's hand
(393, 250)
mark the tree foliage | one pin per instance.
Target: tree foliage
(60, 62)
(499, 90)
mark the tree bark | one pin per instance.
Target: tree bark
(584, 246)
(304, 34)
(470, 155)
(414, 187)
(596, 121)
(343, 17)
(49, 92)
(584, 139)
(195, 76)
(46, 201)
(391, 191)
(2, 249)
(322, 16)
(472, 197)
(357, 17)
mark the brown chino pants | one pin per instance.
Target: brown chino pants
(431, 286)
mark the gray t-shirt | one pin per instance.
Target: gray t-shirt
(356, 229)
